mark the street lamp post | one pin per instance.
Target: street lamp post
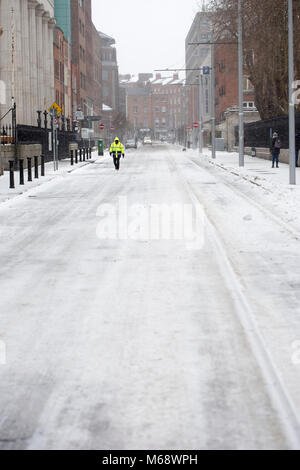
(213, 100)
(292, 145)
(241, 91)
(200, 115)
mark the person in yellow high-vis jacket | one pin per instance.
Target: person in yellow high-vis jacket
(117, 151)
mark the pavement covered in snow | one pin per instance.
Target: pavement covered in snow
(143, 343)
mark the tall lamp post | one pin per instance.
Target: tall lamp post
(241, 91)
(292, 144)
(213, 99)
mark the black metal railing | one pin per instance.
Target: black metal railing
(8, 132)
(258, 134)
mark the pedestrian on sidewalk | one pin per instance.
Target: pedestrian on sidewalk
(117, 151)
(297, 147)
(275, 149)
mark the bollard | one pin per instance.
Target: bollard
(80, 154)
(29, 169)
(76, 156)
(84, 154)
(21, 169)
(11, 174)
(72, 158)
(36, 167)
(90, 153)
(42, 165)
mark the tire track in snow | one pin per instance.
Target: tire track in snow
(276, 389)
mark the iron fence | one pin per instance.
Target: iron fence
(258, 134)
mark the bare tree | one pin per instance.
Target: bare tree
(265, 47)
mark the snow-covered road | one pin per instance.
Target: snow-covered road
(145, 344)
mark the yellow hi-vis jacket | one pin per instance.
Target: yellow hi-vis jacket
(117, 149)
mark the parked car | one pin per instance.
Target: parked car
(131, 144)
(147, 141)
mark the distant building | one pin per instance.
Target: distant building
(155, 106)
(139, 109)
(110, 73)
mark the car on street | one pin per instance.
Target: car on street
(147, 141)
(131, 144)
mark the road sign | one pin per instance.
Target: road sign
(206, 70)
(101, 127)
(188, 128)
(112, 128)
(196, 124)
(57, 107)
(79, 116)
(93, 118)
(55, 123)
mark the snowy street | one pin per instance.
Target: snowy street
(122, 343)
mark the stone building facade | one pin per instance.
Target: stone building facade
(110, 73)
(26, 56)
(198, 57)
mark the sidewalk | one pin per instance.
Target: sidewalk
(272, 183)
(64, 167)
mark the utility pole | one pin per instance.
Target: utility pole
(200, 116)
(213, 100)
(292, 129)
(241, 91)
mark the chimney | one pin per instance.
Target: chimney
(158, 76)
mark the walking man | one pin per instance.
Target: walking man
(117, 151)
(275, 150)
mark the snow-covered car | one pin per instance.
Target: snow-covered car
(131, 144)
(147, 141)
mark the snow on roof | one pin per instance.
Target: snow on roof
(106, 108)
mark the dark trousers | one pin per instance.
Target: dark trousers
(297, 157)
(117, 162)
(275, 159)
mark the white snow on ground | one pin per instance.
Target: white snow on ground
(119, 344)
(64, 167)
(284, 197)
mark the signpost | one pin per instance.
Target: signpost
(55, 107)
(79, 116)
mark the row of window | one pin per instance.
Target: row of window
(158, 123)
(167, 91)
(157, 109)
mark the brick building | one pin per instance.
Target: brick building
(139, 108)
(79, 8)
(227, 84)
(62, 72)
(156, 106)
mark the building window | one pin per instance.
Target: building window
(164, 109)
(105, 75)
(135, 109)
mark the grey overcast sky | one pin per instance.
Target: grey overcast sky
(149, 34)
